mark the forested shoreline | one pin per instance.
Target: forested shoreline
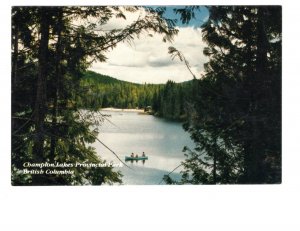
(166, 100)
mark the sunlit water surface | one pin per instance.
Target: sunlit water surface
(161, 140)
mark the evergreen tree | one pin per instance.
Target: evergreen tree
(234, 115)
(51, 52)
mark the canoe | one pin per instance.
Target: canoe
(136, 158)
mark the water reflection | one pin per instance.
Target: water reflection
(135, 161)
(161, 140)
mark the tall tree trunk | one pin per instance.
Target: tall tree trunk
(40, 103)
(15, 58)
(58, 76)
(14, 73)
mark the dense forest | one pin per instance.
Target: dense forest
(105, 91)
(166, 100)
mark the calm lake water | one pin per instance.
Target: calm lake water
(161, 140)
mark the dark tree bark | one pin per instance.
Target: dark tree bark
(58, 76)
(14, 81)
(15, 57)
(40, 103)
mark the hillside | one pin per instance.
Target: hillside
(105, 91)
(91, 76)
(167, 100)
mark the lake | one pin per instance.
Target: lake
(161, 140)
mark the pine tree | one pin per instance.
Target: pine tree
(53, 53)
(235, 114)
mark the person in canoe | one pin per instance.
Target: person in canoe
(132, 155)
(136, 156)
(143, 155)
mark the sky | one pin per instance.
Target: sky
(146, 60)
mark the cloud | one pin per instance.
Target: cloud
(147, 58)
(119, 23)
(159, 61)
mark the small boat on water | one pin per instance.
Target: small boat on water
(136, 158)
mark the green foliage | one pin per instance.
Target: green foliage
(167, 100)
(234, 116)
(104, 91)
(50, 54)
(172, 99)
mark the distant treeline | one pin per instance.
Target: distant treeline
(166, 100)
